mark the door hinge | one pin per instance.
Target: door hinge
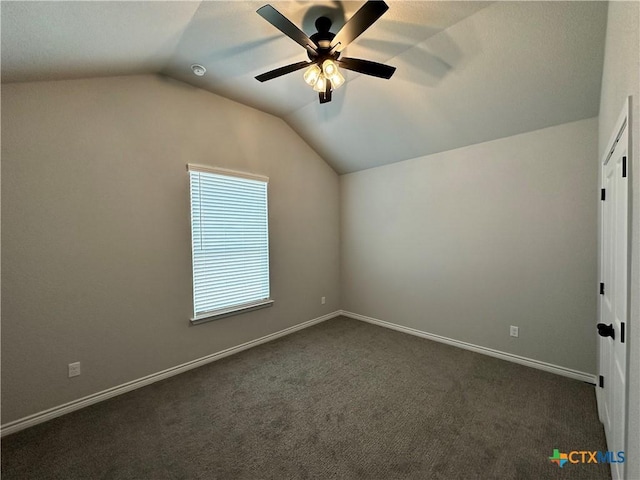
(622, 332)
(601, 288)
(624, 167)
(602, 194)
(601, 381)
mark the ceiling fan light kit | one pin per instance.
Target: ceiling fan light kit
(324, 48)
(317, 77)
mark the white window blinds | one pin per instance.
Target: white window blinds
(230, 242)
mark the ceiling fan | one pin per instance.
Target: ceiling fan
(323, 49)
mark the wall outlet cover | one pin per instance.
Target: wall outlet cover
(74, 369)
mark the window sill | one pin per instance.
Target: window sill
(228, 312)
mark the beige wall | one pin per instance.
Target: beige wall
(621, 78)
(465, 243)
(96, 240)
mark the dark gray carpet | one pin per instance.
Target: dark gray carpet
(340, 400)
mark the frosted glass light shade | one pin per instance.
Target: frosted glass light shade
(336, 79)
(312, 74)
(321, 84)
(329, 68)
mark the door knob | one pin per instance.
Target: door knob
(606, 330)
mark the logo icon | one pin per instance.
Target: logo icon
(584, 456)
(559, 458)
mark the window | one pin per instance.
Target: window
(229, 242)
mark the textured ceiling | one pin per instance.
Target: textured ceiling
(467, 72)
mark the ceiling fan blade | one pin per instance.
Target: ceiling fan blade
(358, 23)
(367, 67)
(282, 71)
(282, 23)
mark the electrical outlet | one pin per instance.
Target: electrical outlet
(323, 300)
(513, 331)
(74, 369)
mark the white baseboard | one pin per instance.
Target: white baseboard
(74, 405)
(510, 357)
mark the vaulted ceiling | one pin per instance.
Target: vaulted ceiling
(467, 72)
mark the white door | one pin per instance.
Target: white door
(613, 326)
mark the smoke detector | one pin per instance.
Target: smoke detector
(198, 70)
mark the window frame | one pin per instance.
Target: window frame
(237, 309)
